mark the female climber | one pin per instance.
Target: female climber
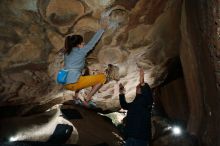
(74, 60)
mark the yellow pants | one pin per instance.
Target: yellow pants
(86, 81)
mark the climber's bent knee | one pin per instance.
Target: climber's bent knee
(86, 81)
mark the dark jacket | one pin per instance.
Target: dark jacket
(138, 122)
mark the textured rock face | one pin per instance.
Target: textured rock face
(199, 57)
(33, 31)
(35, 128)
(146, 33)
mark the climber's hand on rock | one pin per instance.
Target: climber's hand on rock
(104, 23)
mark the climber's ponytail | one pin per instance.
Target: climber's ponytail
(71, 42)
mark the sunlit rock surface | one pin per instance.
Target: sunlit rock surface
(142, 33)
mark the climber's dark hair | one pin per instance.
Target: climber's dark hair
(71, 42)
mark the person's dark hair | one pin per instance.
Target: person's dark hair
(71, 42)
